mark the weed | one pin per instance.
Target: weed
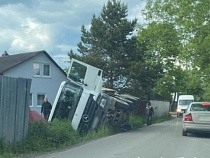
(101, 132)
(2, 147)
(44, 136)
(164, 117)
(136, 121)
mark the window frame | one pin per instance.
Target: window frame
(41, 70)
(39, 105)
(35, 69)
(43, 65)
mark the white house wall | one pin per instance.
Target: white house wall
(40, 85)
(160, 107)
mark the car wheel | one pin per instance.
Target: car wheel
(184, 133)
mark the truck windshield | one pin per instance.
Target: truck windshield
(68, 101)
(185, 102)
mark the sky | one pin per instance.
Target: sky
(51, 25)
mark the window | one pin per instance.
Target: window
(46, 70)
(77, 72)
(40, 98)
(30, 100)
(185, 102)
(41, 70)
(37, 69)
(199, 107)
(68, 101)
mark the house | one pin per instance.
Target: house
(45, 73)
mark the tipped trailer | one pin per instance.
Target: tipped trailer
(82, 100)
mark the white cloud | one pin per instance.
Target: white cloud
(51, 25)
(15, 2)
(135, 12)
(33, 36)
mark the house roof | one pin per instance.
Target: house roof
(10, 61)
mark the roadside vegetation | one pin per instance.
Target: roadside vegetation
(138, 121)
(165, 117)
(45, 137)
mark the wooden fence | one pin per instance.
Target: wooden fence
(14, 108)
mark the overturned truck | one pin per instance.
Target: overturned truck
(87, 105)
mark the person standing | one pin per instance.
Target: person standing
(46, 108)
(149, 111)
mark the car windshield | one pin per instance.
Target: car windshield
(185, 102)
(199, 107)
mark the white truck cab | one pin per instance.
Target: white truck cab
(183, 102)
(76, 99)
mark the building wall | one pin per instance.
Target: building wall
(40, 85)
(160, 107)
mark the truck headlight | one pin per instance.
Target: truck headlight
(178, 110)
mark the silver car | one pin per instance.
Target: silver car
(196, 118)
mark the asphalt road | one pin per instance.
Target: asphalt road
(162, 140)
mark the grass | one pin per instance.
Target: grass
(45, 137)
(165, 117)
(136, 121)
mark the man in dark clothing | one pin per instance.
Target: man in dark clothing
(46, 108)
(149, 111)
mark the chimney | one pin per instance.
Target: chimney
(5, 54)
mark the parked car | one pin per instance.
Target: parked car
(196, 118)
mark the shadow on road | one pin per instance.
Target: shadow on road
(199, 135)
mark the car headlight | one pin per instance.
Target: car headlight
(178, 110)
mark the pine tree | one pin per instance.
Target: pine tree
(109, 42)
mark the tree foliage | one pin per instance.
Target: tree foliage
(108, 42)
(191, 21)
(162, 47)
(164, 55)
(129, 62)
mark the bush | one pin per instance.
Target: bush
(136, 121)
(61, 133)
(44, 136)
(2, 145)
(103, 131)
(165, 117)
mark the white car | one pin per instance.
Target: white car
(196, 118)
